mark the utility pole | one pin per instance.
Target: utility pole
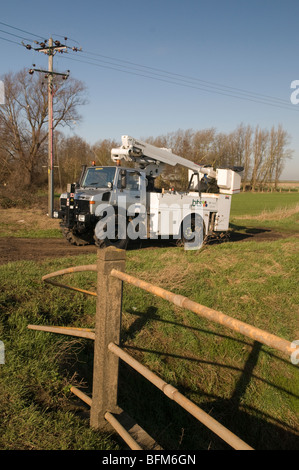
(50, 50)
(50, 133)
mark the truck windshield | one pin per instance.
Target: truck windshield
(99, 177)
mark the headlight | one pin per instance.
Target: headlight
(81, 218)
(55, 215)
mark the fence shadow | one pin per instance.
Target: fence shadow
(173, 427)
(249, 423)
(236, 233)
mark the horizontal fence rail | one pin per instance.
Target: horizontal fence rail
(213, 315)
(111, 419)
(122, 431)
(81, 395)
(65, 330)
(75, 269)
(106, 337)
(168, 390)
(172, 393)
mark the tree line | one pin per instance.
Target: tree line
(262, 153)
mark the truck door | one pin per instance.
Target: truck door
(134, 190)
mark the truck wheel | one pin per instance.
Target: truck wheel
(118, 239)
(190, 227)
(74, 239)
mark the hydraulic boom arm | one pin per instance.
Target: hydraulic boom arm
(153, 159)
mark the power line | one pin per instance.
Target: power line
(22, 30)
(185, 77)
(31, 34)
(15, 35)
(68, 38)
(163, 75)
(9, 40)
(283, 105)
(208, 86)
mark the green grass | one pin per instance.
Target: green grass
(254, 203)
(276, 211)
(249, 388)
(35, 409)
(8, 231)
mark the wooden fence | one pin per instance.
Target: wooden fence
(107, 352)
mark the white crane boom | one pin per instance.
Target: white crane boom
(151, 157)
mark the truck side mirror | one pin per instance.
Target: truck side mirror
(70, 188)
(123, 179)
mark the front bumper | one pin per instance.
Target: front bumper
(74, 214)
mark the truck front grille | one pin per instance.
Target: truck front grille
(82, 206)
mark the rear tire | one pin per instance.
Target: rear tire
(190, 228)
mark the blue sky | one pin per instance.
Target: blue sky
(223, 45)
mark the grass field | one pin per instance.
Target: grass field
(251, 389)
(252, 204)
(278, 211)
(28, 223)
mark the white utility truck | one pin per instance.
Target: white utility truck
(111, 205)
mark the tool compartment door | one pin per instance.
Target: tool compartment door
(223, 213)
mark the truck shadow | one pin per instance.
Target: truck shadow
(237, 233)
(241, 232)
(152, 243)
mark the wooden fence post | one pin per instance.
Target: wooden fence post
(107, 329)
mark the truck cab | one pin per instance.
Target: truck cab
(99, 186)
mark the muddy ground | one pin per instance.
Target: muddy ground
(15, 249)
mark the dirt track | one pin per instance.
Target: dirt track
(15, 249)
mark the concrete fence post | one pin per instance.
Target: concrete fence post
(107, 329)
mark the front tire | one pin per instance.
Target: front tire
(118, 239)
(81, 239)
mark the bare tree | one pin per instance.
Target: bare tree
(24, 120)
(247, 155)
(102, 151)
(203, 143)
(221, 150)
(71, 153)
(260, 142)
(282, 153)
